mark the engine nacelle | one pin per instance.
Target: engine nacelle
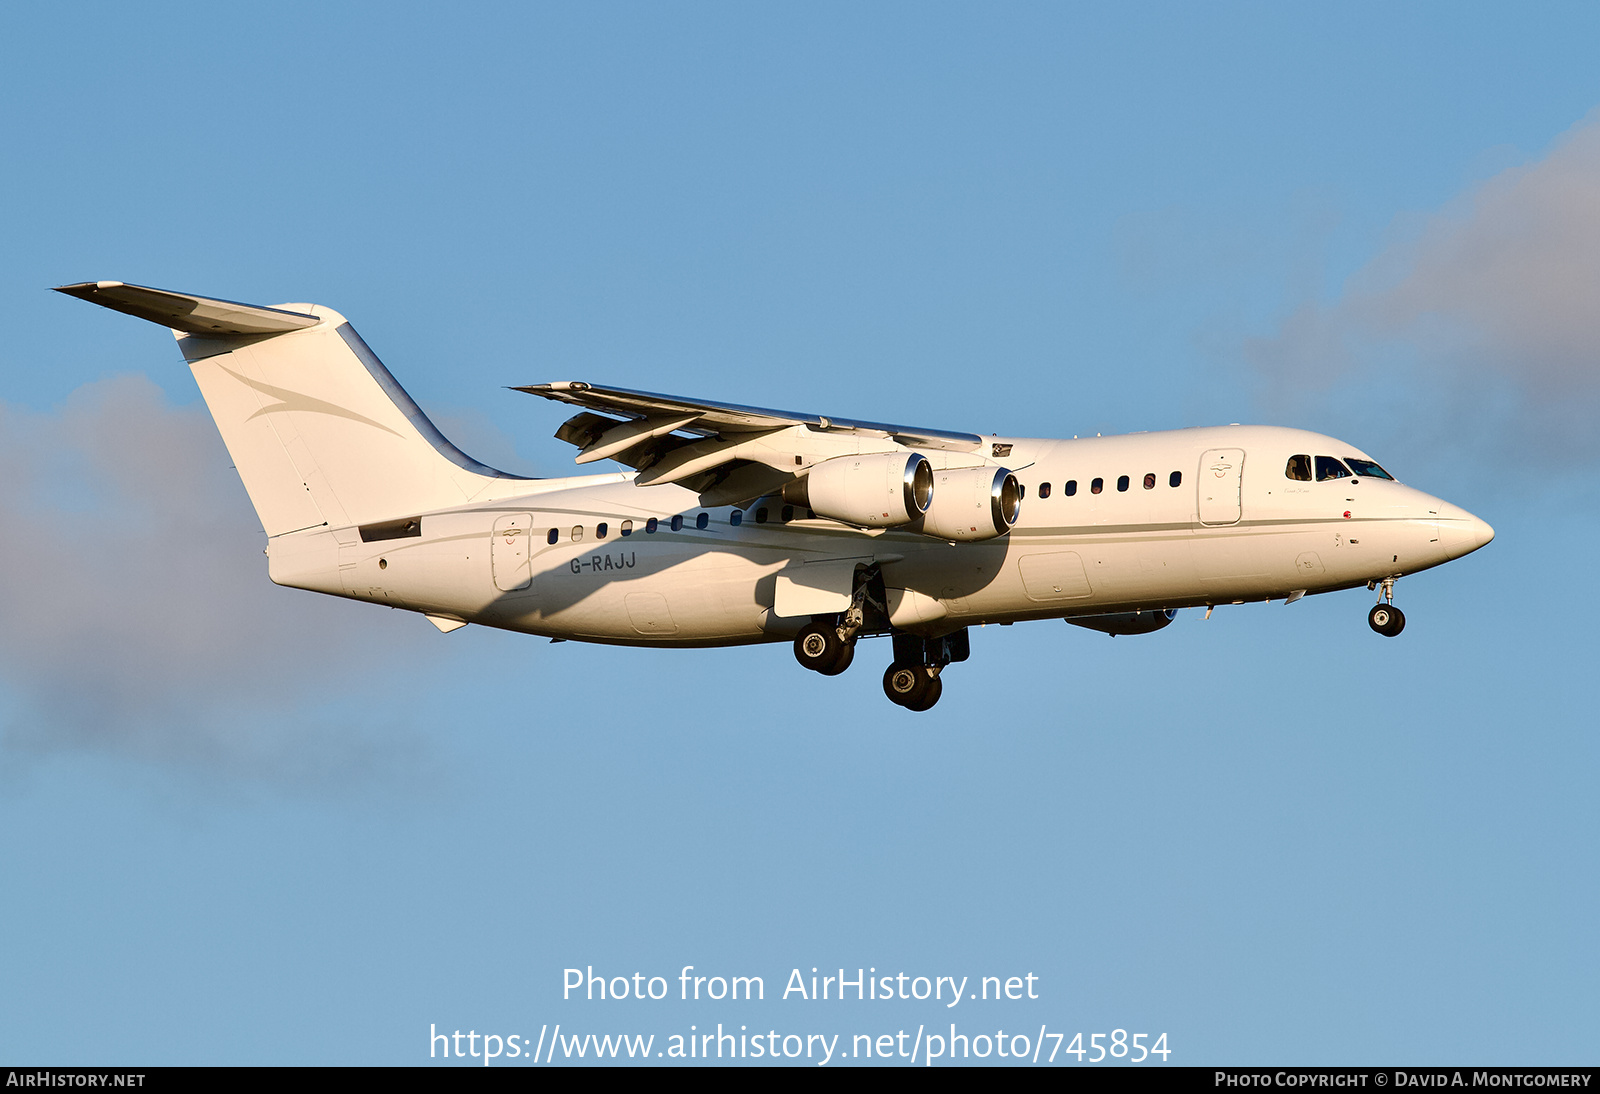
(878, 490)
(972, 503)
(1125, 622)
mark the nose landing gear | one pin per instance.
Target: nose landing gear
(1384, 617)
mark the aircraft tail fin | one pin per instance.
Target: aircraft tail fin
(318, 429)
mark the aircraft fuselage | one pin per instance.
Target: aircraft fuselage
(1219, 522)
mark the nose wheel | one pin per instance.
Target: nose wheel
(1384, 617)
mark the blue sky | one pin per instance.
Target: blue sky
(240, 824)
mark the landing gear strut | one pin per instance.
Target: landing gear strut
(828, 643)
(1384, 617)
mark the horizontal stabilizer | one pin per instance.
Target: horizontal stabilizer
(191, 314)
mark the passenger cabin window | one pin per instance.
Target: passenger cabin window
(736, 518)
(1044, 490)
(1298, 469)
(1097, 485)
(627, 527)
(1367, 468)
(601, 529)
(577, 534)
(1330, 468)
(1150, 481)
(677, 523)
(1070, 488)
(702, 520)
(1122, 484)
(1175, 479)
(554, 536)
(761, 515)
(651, 525)
(786, 514)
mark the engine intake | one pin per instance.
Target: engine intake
(973, 503)
(880, 490)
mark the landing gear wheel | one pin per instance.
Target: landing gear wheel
(819, 649)
(912, 686)
(901, 682)
(841, 661)
(930, 696)
(1386, 619)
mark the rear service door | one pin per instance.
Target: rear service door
(508, 552)
(1221, 471)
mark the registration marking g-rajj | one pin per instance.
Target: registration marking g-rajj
(738, 524)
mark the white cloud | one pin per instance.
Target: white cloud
(139, 619)
(1486, 314)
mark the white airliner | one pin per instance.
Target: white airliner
(739, 525)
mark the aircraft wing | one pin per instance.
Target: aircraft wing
(704, 444)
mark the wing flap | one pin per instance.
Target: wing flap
(692, 459)
(620, 438)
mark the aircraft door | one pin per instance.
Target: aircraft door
(1221, 471)
(508, 552)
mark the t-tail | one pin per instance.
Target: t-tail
(320, 432)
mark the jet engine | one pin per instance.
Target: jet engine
(972, 503)
(879, 490)
(1125, 622)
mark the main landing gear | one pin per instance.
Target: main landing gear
(1384, 617)
(912, 681)
(828, 644)
(820, 648)
(915, 687)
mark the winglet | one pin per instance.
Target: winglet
(190, 314)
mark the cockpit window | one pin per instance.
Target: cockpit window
(1299, 468)
(1367, 468)
(1330, 468)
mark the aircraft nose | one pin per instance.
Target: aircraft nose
(1481, 532)
(1461, 532)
